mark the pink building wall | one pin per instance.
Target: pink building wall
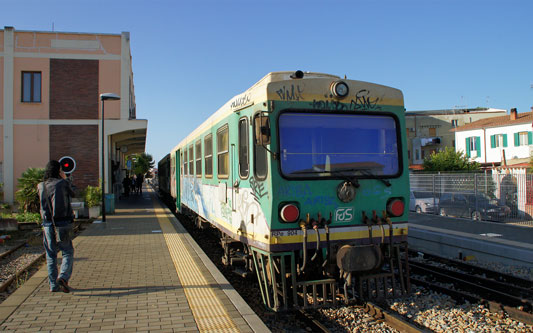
(1, 82)
(31, 148)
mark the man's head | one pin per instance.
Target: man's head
(52, 170)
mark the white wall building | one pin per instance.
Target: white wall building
(506, 139)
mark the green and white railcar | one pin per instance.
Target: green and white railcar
(306, 177)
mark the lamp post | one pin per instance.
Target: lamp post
(104, 97)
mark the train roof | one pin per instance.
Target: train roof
(266, 88)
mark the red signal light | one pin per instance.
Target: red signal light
(289, 213)
(395, 207)
(68, 164)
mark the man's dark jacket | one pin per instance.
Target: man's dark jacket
(55, 196)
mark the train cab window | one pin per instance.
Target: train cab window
(198, 151)
(191, 161)
(260, 153)
(223, 152)
(243, 148)
(316, 145)
(185, 162)
(208, 158)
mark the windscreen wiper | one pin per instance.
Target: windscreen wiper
(341, 172)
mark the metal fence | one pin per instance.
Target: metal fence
(481, 196)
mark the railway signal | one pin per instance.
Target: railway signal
(68, 164)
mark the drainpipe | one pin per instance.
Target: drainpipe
(485, 144)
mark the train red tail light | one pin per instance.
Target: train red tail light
(395, 207)
(289, 213)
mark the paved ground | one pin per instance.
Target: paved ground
(139, 271)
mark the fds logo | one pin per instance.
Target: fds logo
(344, 214)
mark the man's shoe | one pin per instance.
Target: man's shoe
(63, 285)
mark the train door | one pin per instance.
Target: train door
(177, 176)
(233, 180)
(223, 165)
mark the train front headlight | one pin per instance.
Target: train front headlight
(339, 89)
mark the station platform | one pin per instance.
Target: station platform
(486, 241)
(139, 271)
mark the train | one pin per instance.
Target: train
(305, 178)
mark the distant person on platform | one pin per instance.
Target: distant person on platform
(126, 182)
(139, 183)
(55, 194)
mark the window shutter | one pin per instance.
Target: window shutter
(517, 139)
(529, 138)
(505, 140)
(478, 146)
(467, 149)
(493, 141)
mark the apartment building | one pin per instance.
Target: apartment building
(505, 140)
(430, 131)
(50, 107)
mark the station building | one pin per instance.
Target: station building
(50, 107)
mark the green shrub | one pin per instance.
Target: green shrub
(28, 217)
(92, 196)
(27, 195)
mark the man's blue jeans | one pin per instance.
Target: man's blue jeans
(51, 247)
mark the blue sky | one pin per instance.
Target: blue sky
(190, 57)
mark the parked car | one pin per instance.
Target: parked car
(477, 207)
(423, 202)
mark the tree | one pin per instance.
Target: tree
(27, 195)
(449, 160)
(143, 163)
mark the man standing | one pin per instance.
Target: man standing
(56, 211)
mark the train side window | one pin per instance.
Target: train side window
(260, 153)
(223, 152)
(181, 162)
(244, 162)
(191, 160)
(185, 162)
(198, 151)
(208, 159)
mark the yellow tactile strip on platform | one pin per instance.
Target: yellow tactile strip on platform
(209, 313)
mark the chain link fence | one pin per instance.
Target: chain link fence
(480, 196)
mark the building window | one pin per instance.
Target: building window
(223, 152)
(454, 123)
(523, 139)
(473, 147)
(243, 147)
(432, 132)
(498, 140)
(198, 151)
(208, 158)
(31, 87)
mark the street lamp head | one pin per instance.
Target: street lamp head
(109, 96)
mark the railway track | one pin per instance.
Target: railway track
(17, 262)
(500, 292)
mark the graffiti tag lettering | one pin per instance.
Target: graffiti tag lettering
(258, 188)
(363, 101)
(290, 94)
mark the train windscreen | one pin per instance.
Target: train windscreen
(314, 145)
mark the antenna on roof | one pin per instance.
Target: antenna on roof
(52, 26)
